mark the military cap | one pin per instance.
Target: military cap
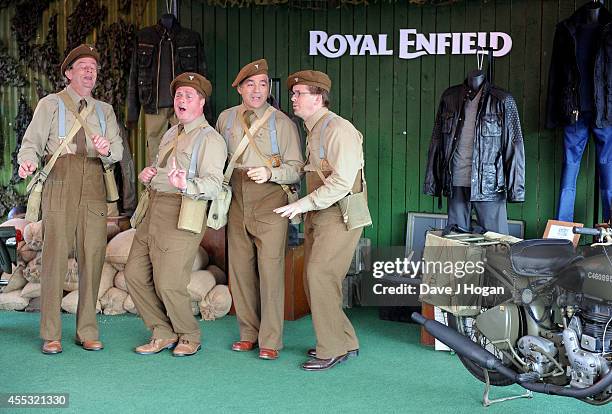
(258, 67)
(195, 80)
(311, 78)
(79, 52)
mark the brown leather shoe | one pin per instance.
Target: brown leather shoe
(51, 347)
(316, 364)
(90, 345)
(243, 346)
(265, 353)
(155, 346)
(312, 352)
(186, 348)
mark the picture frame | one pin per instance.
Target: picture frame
(556, 229)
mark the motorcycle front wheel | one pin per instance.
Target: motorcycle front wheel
(464, 325)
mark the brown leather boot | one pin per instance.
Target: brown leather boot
(186, 348)
(51, 347)
(155, 346)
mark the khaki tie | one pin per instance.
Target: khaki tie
(164, 162)
(247, 117)
(81, 144)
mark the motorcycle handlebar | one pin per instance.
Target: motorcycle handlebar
(587, 231)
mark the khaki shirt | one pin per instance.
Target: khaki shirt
(292, 161)
(212, 155)
(344, 155)
(41, 137)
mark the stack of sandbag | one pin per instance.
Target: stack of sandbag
(210, 297)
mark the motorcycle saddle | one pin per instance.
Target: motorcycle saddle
(541, 257)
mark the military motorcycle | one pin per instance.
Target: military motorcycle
(552, 334)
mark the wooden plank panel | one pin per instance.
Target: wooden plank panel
(281, 70)
(531, 119)
(245, 25)
(385, 132)
(221, 42)
(233, 53)
(416, 143)
(332, 66)
(345, 86)
(399, 136)
(260, 34)
(372, 117)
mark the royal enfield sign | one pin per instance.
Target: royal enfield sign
(411, 44)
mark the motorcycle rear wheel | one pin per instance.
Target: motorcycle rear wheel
(462, 324)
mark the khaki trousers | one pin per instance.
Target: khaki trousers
(159, 268)
(156, 126)
(328, 252)
(73, 210)
(257, 242)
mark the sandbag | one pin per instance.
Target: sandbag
(13, 301)
(120, 281)
(201, 260)
(107, 279)
(34, 305)
(16, 280)
(112, 229)
(31, 290)
(200, 283)
(112, 301)
(128, 305)
(19, 224)
(216, 304)
(220, 276)
(119, 267)
(26, 253)
(33, 270)
(71, 283)
(118, 248)
(70, 302)
(33, 235)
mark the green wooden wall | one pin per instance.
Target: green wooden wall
(393, 101)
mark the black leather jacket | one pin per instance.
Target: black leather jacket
(187, 56)
(563, 103)
(498, 160)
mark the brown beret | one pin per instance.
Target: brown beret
(195, 80)
(258, 67)
(79, 52)
(311, 78)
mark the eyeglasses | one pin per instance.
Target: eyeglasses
(297, 94)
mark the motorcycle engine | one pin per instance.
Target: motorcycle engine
(584, 344)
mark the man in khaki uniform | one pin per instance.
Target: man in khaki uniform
(257, 238)
(74, 195)
(335, 150)
(162, 255)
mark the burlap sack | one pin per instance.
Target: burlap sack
(71, 283)
(70, 302)
(33, 234)
(112, 301)
(118, 248)
(201, 260)
(33, 269)
(26, 253)
(216, 304)
(220, 276)
(120, 281)
(31, 290)
(128, 305)
(112, 229)
(34, 305)
(200, 283)
(13, 301)
(16, 280)
(119, 267)
(19, 224)
(107, 279)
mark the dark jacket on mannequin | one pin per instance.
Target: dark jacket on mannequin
(187, 55)
(563, 105)
(498, 159)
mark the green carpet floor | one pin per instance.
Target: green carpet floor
(392, 374)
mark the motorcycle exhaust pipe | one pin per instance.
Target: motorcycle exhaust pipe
(465, 347)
